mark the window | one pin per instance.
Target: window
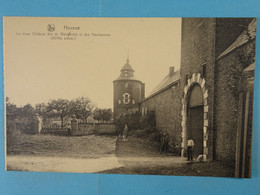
(126, 98)
(133, 101)
(119, 101)
(126, 85)
(203, 70)
(186, 78)
(126, 73)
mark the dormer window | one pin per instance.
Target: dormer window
(126, 73)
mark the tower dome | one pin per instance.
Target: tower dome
(127, 72)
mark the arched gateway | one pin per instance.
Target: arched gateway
(195, 115)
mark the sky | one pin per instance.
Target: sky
(75, 61)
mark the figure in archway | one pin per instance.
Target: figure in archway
(190, 146)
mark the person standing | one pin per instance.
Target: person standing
(125, 131)
(166, 143)
(162, 142)
(190, 146)
(69, 129)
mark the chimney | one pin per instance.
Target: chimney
(171, 71)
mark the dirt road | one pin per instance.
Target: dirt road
(49, 153)
(101, 154)
(58, 164)
(140, 156)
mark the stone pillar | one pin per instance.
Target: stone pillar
(184, 128)
(184, 141)
(74, 125)
(37, 124)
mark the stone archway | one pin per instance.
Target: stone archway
(195, 79)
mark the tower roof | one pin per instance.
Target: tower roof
(127, 66)
(127, 72)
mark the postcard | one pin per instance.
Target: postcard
(149, 96)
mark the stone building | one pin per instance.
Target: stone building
(165, 100)
(203, 99)
(128, 91)
(210, 98)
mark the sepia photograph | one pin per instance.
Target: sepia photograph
(146, 96)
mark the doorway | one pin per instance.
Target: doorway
(195, 119)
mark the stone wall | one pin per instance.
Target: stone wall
(96, 128)
(228, 30)
(219, 83)
(198, 51)
(134, 88)
(167, 107)
(229, 70)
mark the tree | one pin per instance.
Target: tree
(18, 118)
(103, 114)
(82, 107)
(27, 111)
(11, 110)
(41, 109)
(58, 108)
(107, 114)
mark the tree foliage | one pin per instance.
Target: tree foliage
(245, 55)
(103, 115)
(11, 110)
(58, 108)
(81, 107)
(18, 118)
(136, 121)
(27, 111)
(41, 109)
(14, 112)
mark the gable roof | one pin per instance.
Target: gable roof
(166, 82)
(250, 32)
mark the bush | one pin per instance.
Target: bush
(133, 121)
(149, 121)
(10, 127)
(23, 125)
(136, 121)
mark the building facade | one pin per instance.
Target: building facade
(128, 91)
(210, 98)
(165, 101)
(205, 102)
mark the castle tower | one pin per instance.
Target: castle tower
(128, 91)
